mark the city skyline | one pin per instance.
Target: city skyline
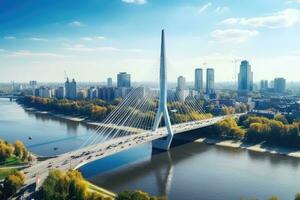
(45, 44)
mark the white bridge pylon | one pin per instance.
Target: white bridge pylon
(165, 143)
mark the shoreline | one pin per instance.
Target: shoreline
(258, 147)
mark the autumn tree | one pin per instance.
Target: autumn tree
(12, 184)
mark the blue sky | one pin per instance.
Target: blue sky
(95, 39)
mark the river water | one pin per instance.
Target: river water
(187, 172)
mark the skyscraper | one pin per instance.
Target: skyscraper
(71, 89)
(198, 79)
(124, 80)
(210, 81)
(60, 93)
(279, 85)
(264, 85)
(180, 89)
(109, 82)
(245, 83)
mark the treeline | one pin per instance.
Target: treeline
(95, 110)
(99, 109)
(17, 150)
(257, 129)
(71, 185)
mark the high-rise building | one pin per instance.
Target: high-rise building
(71, 89)
(198, 80)
(92, 93)
(106, 93)
(210, 81)
(109, 82)
(123, 80)
(264, 85)
(245, 83)
(279, 85)
(60, 93)
(180, 89)
(45, 92)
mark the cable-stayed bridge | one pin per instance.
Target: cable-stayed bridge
(144, 116)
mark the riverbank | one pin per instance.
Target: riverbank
(259, 147)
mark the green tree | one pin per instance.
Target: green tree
(297, 196)
(137, 195)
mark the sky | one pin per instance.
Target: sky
(94, 39)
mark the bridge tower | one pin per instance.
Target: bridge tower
(164, 143)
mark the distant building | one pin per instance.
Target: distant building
(92, 93)
(82, 94)
(264, 85)
(198, 80)
(45, 92)
(279, 85)
(210, 81)
(106, 93)
(121, 92)
(245, 78)
(180, 89)
(71, 89)
(33, 84)
(109, 82)
(60, 93)
(124, 80)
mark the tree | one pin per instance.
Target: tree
(6, 150)
(297, 196)
(12, 184)
(20, 150)
(281, 118)
(137, 195)
(274, 198)
(66, 185)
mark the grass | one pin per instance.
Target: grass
(11, 161)
(6, 172)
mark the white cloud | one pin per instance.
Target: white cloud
(233, 35)
(100, 37)
(292, 1)
(86, 38)
(92, 38)
(10, 37)
(76, 24)
(140, 2)
(83, 48)
(26, 53)
(38, 39)
(203, 8)
(284, 18)
(135, 50)
(222, 9)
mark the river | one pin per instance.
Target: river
(187, 172)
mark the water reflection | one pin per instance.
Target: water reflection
(71, 126)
